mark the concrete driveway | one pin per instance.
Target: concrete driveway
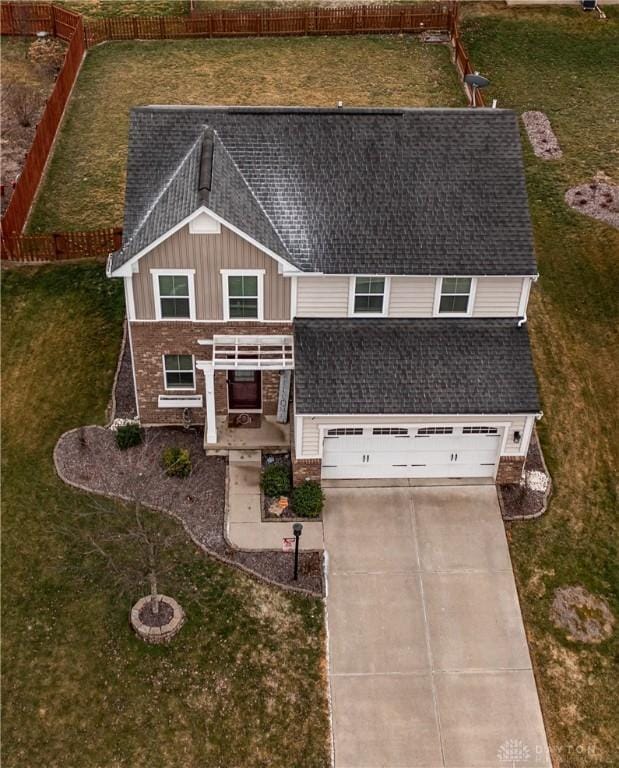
(429, 664)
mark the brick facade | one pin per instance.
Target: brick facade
(151, 340)
(510, 470)
(306, 469)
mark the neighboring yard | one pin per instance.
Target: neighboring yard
(243, 682)
(564, 62)
(85, 184)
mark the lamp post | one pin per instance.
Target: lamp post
(297, 528)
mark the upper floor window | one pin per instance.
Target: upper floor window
(369, 296)
(178, 371)
(242, 294)
(174, 294)
(455, 296)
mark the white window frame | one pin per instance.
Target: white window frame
(225, 274)
(165, 378)
(352, 292)
(438, 291)
(189, 273)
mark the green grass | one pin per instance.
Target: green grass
(563, 62)
(242, 684)
(85, 183)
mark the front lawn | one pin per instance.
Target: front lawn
(564, 62)
(84, 186)
(242, 684)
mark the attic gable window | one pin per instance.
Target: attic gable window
(455, 296)
(368, 296)
(174, 294)
(243, 294)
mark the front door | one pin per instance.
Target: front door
(244, 391)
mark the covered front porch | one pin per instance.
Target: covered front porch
(248, 383)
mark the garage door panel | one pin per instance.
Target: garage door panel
(370, 455)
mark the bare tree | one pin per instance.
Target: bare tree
(133, 547)
(23, 100)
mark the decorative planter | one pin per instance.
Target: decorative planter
(171, 610)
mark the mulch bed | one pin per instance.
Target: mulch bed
(283, 458)
(598, 199)
(159, 619)
(541, 135)
(88, 458)
(124, 392)
(519, 502)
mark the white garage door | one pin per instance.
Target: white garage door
(416, 452)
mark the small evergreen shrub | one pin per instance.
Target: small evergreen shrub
(177, 461)
(275, 480)
(128, 435)
(307, 499)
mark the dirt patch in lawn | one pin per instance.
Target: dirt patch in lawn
(89, 459)
(598, 198)
(586, 617)
(29, 70)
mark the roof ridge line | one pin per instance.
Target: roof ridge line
(251, 192)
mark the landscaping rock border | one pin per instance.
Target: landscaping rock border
(530, 499)
(598, 199)
(122, 403)
(543, 140)
(107, 471)
(157, 635)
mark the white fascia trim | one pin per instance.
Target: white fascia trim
(524, 296)
(189, 273)
(294, 288)
(123, 269)
(438, 289)
(225, 274)
(351, 297)
(129, 300)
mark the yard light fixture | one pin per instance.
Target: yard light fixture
(297, 529)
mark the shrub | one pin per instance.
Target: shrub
(128, 435)
(177, 461)
(307, 499)
(275, 480)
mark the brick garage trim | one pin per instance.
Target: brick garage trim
(510, 470)
(306, 469)
(151, 340)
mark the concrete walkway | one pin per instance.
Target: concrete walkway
(244, 526)
(429, 664)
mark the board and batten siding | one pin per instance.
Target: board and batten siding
(208, 254)
(329, 296)
(310, 427)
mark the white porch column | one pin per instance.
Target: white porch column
(209, 378)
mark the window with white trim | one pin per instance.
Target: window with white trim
(395, 431)
(179, 371)
(480, 431)
(341, 431)
(174, 296)
(369, 295)
(425, 431)
(455, 295)
(243, 297)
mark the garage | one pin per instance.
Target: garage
(439, 451)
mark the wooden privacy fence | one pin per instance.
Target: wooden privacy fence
(30, 18)
(68, 26)
(464, 67)
(60, 246)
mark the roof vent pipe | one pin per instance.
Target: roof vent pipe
(206, 165)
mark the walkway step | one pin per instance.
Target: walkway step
(245, 457)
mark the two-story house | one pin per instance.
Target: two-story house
(363, 274)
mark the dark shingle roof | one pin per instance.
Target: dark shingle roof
(409, 191)
(433, 366)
